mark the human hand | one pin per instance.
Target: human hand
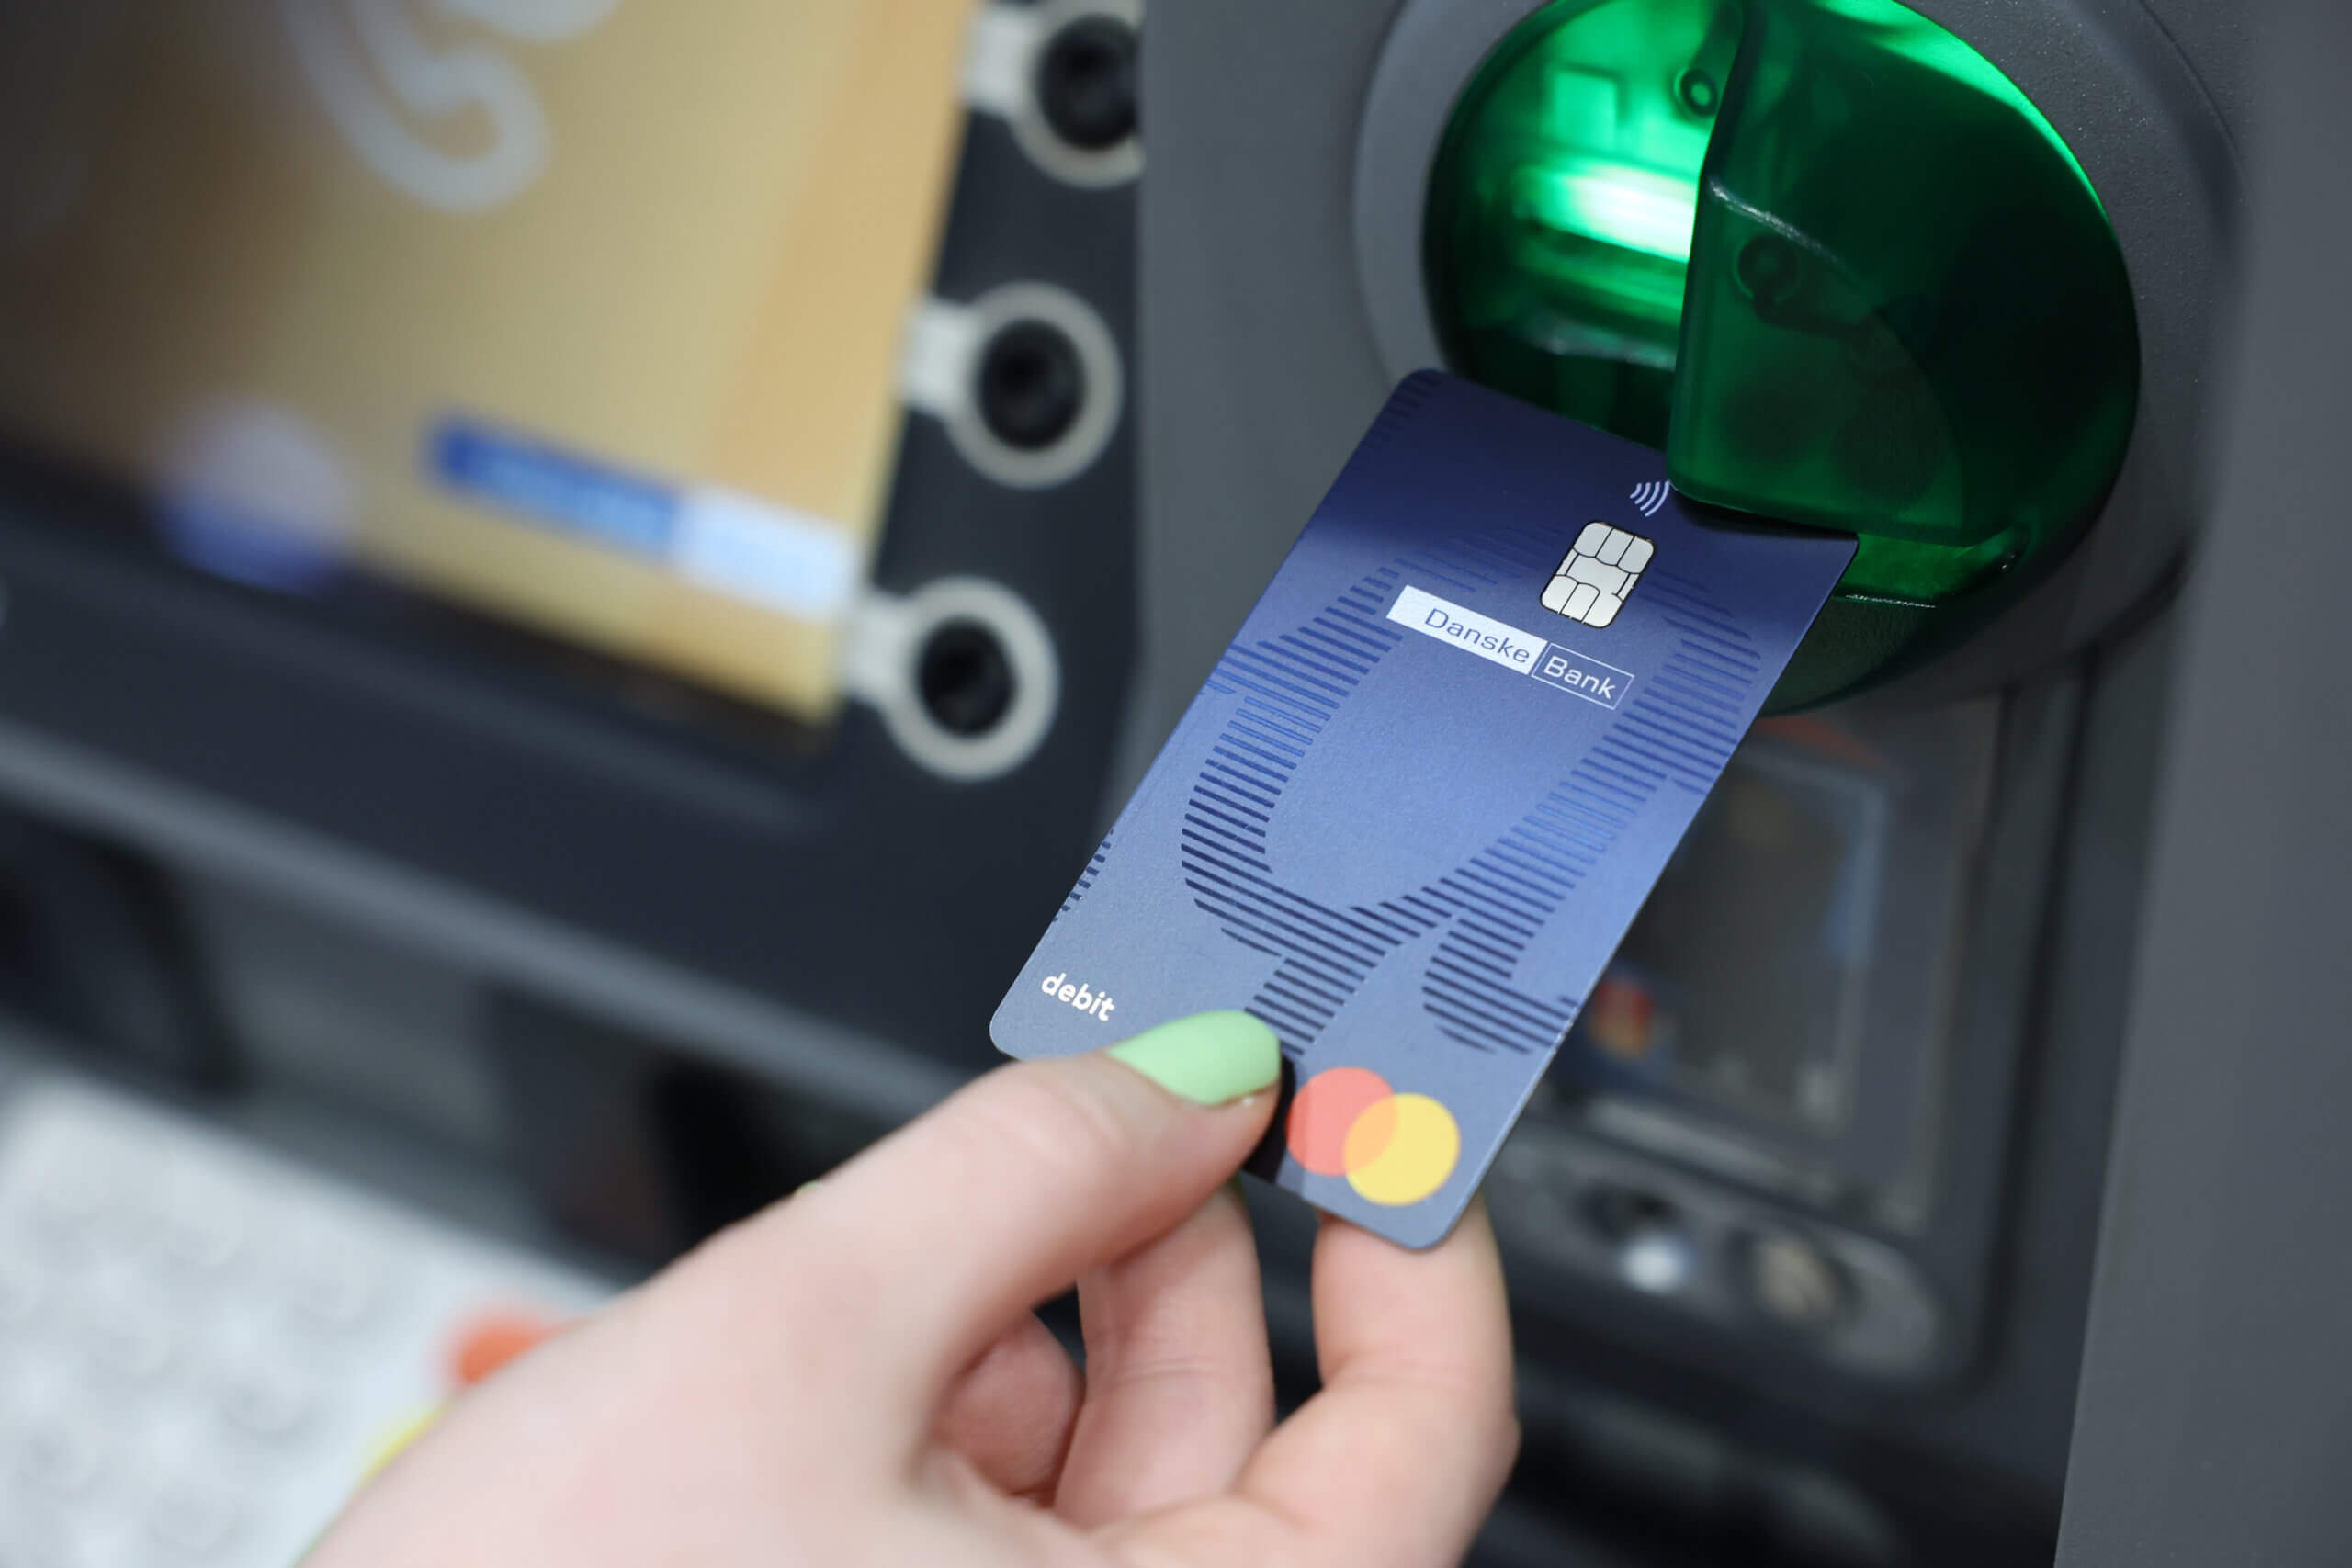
(855, 1376)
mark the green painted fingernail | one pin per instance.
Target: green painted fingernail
(1209, 1058)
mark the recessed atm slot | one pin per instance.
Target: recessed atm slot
(1824, 255)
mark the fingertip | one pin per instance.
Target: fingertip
(1469, 1249)
(1475, 1235)
(1209, 1058)
(1444, 1308)
(1178, 1377)
(1012, 1411)
(1002, 1196)
(1400, 1456)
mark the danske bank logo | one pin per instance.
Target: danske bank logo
(1497, 643)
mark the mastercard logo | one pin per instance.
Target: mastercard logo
(1394, 1148)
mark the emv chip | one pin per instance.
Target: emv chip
(1594, 579)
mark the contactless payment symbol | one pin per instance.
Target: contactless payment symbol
(1598, 575)
(1394, 1148)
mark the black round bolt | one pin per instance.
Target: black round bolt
(1086, 83)
(964, 677)
(1031, 385)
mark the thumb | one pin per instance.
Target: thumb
(916, 1255)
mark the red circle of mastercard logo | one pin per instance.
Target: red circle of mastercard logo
(1394, 1148)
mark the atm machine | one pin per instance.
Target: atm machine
(1805, 1274)
(578, 819)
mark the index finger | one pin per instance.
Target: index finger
(1399, 1458)
(920, 1251)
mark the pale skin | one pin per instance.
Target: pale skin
(855, 1376)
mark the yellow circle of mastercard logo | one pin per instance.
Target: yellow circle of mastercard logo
(1394, 1148)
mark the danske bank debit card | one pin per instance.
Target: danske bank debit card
(1415, 807)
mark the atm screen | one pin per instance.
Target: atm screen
(1741, 980)
(1780, 1008)
(581, 316)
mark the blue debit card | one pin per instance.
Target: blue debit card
(1425, 791)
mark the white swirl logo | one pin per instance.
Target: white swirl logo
(355, 52)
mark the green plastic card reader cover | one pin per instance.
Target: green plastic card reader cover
(1824, 255)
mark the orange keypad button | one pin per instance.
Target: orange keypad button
(490, 1339)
